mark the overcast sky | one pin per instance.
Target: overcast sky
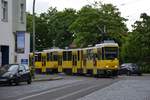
(130, 9)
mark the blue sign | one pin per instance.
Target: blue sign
(24, 61)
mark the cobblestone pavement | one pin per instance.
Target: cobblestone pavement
(132, 88)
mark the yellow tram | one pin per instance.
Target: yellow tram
(101, 59)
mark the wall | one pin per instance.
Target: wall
(9, 29)
(6, 35)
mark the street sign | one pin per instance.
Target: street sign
(24, 61)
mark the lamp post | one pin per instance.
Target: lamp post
(33, 22)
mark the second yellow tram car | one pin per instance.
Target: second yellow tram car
(53, 60)
(72, 61)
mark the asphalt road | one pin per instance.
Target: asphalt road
(70, 88)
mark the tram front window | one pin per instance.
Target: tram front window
(111, 53)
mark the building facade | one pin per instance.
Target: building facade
(14, 40)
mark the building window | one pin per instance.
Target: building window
(22, 13)
(20, 40)
(4, 10)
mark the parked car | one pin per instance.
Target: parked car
(130, 69)
(15, 73)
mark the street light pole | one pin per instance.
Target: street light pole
(33, 22)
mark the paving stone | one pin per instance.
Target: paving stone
(123, 90)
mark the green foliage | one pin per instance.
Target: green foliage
(83, 28)
(41, 30)
(58, 26)
(91, 21)
(137, 45)
(50, 26)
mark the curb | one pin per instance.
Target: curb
(47, 79)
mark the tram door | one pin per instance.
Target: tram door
(84, 61)
(74, 63)
(94, 59)
(43, 62)
(60, 63)
(60, 60)
(74, 59)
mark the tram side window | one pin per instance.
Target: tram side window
(48, 56)
(59, 59)
(51, 58)
(99, 53)
(69, 55)
(86, 56)
(78, 55)
(55, 57)
(103, 55)
(89, 54)
(64, 56)
(84, 59)
(38, 57)
(81, 55)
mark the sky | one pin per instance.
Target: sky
(130, 9)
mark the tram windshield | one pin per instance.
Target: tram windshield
(111, 53)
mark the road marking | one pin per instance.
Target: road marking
(52, 90)
(76, 92)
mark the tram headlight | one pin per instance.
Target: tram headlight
(116, 66)
(107, 66)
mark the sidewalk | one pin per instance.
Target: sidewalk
(45, 77)
(122, 90)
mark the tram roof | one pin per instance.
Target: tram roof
(97, 45)
(106, 44)
(88, 48)
(72, 49)
(53, 49)
(36, 52)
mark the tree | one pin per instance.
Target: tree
(137, 46)
(88, 28)
(41, 30)
(84, 28)
(58, 25)
(50, 26)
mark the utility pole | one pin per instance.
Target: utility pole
(33, 22)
